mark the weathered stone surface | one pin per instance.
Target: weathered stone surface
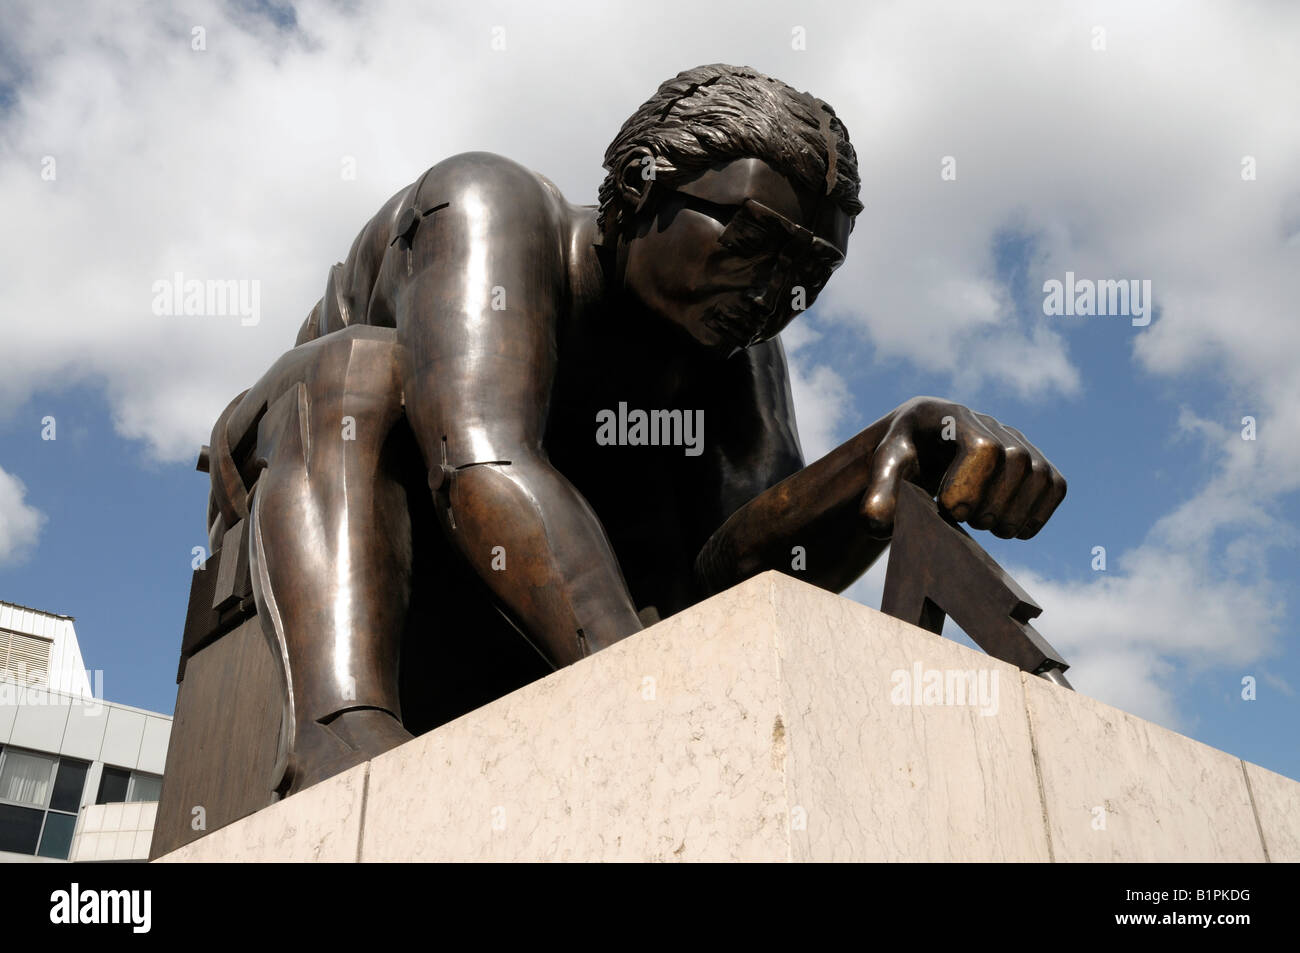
(1277, 805)
(779, 722)
(883, 776)
(1118, 788)
(322, 824)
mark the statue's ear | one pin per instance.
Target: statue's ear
(636, 178)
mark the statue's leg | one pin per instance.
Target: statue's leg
(330, 547)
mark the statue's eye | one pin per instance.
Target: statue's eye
(748, 236)
(722, 214)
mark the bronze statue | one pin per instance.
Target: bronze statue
(576, 416)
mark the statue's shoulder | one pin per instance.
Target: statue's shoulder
(483, 193)
(489, 178)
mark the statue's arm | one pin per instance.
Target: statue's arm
(478, 323)
(769, 502)
(839, 510)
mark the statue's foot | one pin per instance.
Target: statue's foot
(348, 739)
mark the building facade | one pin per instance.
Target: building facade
(79, 776)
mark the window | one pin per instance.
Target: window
(119, 784)
(144, 787)
(24, 658)
(112, 785)
(40, 796)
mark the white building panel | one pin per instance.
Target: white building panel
(84, 734)
(153, 749)
(8, 710)
(122, 737)
(40, 721)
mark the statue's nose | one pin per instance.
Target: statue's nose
(776, 282)
(762, 300)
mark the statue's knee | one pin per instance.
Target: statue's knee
(358, 371)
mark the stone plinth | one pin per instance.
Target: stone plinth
(780, 722)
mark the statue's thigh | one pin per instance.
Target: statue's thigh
(347, 383)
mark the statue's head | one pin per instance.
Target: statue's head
(729, 200)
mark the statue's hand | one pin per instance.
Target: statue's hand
(983, 473)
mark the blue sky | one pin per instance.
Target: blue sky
(1114, 155)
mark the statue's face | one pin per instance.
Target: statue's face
(734, 254)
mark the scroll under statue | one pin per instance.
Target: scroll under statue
(424, 463)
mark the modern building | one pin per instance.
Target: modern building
(79, 776)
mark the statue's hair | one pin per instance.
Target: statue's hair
(720, 113)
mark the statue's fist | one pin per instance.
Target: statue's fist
(982, 472)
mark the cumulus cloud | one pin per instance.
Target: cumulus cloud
(822, 399)
(232, 162)
(1131, 161)
(226, 163)
(1125, 632)
(20, 522)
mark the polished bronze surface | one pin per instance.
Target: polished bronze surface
(570, 418)
(936, 570)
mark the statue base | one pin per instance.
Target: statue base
(780, 722)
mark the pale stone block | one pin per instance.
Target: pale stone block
(1118, 788)
(112, 819)
(123, 844)
(140, 851)
(91, 820)
(778, 722)
(84, 846)
(148, 815)
(1277, 805)
(131, 816)
(105, 843)
(657, 748)
(322, 823)
(882, 780)
(759, 725)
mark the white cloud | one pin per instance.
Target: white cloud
(1117, 164)
(1123, 163)
(20, 522)
(822, 399)
(225, 163)
(1125, 630)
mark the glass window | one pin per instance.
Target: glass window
(56, 839)
(29, 784)
(119, 784)
(25, 777)
(144, 787)
(68, 785)
(20, 827)
(112, 785)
